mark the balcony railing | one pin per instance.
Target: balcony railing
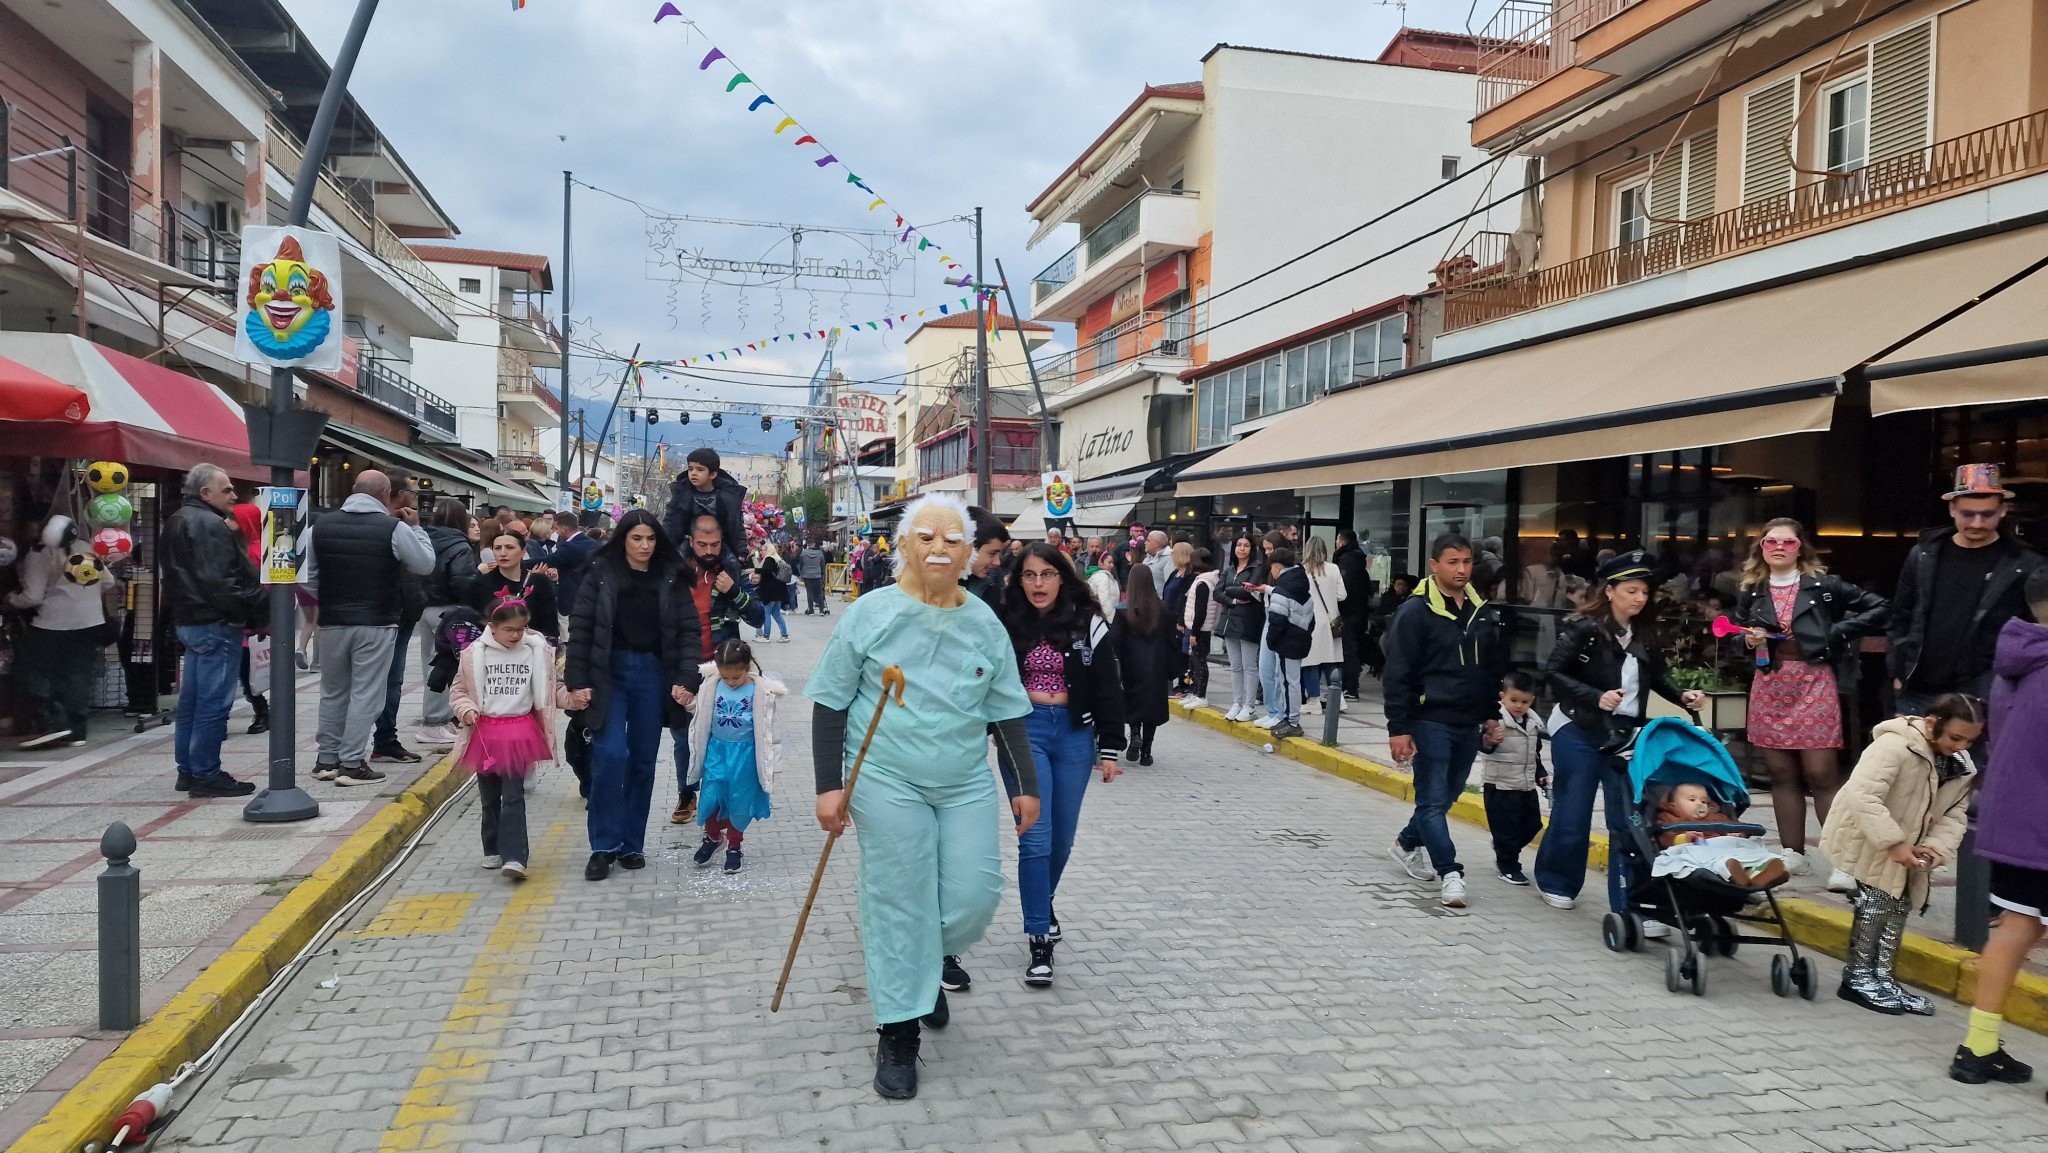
(1100, 241)
(388, 248)
(1147, 334)
(2014, 148)
(529, 386)
(522, 462)
(391, 388)
(1529, 41)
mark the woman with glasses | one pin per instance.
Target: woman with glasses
(1805, 623)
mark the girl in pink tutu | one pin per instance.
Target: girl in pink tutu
(504, 696)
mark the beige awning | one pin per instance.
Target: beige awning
(1764, 364)
(1992, 354)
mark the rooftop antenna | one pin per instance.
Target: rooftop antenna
(1401, 5)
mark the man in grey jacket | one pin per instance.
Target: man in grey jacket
(359, 550)
(810, 568)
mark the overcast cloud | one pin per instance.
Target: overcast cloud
(938, 106)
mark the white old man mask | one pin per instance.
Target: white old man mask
(932, 548)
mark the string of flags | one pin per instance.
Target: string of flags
(824, 157)
(879, 324)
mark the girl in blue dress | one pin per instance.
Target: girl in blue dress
(734, 751)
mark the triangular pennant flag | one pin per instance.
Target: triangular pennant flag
(738, 78)
(942, 310)
(759, 101)
(773, 339)
(787, 122)
(889, 323)
(828, 158)
(852, 179)
(899, 222)
(807, 138)
(920, 313)
(923, 244)
(877, 204)
(667, 10)
(714, 54)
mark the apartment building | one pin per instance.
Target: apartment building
(1782, 261)
(932, 414)
(1183, 205)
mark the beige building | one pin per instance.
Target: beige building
(933, 417)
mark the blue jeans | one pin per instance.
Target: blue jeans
(1271, 686)
(622, 754)
(1443, 762)
(773, 611)
(1578, 770)
(681, 737)
(206, 691)
(1065, 758)
(387, 721)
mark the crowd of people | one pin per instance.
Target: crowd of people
(1069, 652)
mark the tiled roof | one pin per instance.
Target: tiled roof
(527, 262)
(1180, 90)
(966, 320)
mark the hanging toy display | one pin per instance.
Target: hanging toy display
(9, 551)
(112, 545)
(82, 568)
(107, 476)
(110, 510)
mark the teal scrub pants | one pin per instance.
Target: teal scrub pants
(930, 879)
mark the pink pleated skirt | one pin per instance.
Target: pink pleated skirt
(506, 746)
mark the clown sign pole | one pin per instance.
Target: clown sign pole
(284, 800)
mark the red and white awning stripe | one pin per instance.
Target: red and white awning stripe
(141, 413)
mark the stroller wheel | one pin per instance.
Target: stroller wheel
(1725, 943)
(1633, 921)
(1674, 970)
(1699, 975)
(1805, 977)
(1781, 976)
(1614, 933)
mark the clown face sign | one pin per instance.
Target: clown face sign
(291, 306)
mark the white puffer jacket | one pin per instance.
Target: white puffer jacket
(767, 746)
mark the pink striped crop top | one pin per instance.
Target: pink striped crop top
(1045, 670)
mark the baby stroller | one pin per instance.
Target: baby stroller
(1705, 910)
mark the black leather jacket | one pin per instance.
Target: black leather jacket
(1829, 615)
(2004, 598)
(209, 577)
(1095, 684)
(1586, 663)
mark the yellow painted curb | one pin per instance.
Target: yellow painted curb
(197, 1015)
(1934, 965)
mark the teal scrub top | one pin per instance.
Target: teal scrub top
(960, 676)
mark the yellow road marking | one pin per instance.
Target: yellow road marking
(461, 1055)
(420, 916)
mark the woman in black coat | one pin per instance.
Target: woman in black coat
(1148, 655)
(634, 648)
(504, 573)
(447, 586)
(1242, 589)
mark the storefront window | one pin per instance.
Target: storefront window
(1379, 514)
(1318, 368)
(1340, 360)
(1276, 369)
(1474, 505)
(1297, 377)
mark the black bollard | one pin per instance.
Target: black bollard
(1333, 706)
(120, 932)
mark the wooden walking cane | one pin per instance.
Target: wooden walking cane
(892, 679)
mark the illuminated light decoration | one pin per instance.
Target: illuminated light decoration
(717, 420)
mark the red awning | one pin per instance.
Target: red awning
(26, 394)
(139, 413)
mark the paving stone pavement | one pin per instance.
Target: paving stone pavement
(1243, 969)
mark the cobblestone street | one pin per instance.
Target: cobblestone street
(1243, 969)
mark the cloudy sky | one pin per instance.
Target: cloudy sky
(939, 106)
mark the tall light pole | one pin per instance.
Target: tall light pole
(984, 482)
(568, 189)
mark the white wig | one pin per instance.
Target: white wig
(944, 500)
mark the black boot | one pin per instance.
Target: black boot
(896, 1060)
(1145, 755)
(261, 722)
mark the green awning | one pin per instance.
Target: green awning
(413, 459)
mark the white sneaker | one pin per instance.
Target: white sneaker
(1191, 701)
(441, 737)
(1312, 707)
(1415, 861)
(1655, 930)
(1453, 894)
(1238, 713)
(1557, 902)
(493, 861)
(1841, 882)
(783, 639)
(515, 870)
(1795, 861)
(1266, 722)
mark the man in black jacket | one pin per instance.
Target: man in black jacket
(353, 560)
(985, 563)
(1354, 612)
(412, 604)
(212, 595)
(705, 489)
(1958, 587)
(1446, 654)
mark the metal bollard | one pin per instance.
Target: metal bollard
(1333, 707)
(120, 931)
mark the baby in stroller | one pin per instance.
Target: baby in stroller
(1734, 857)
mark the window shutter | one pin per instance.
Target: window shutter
(1701, 155)
(1901, 92)
(1766, 122)
(1667, 184)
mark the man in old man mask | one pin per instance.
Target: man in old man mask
(925, 807)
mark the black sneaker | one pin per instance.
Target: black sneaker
(896, 1060)
(1999, 1066)
(220, 785)
(732, 860)
(357, 774)
(1131, 754)
(325, 770)
(1052, 917)
(706, 851)
(1286, 729)
(940, 1015)
(598, 868)
(1145, 759)
(632, 861)
(394, 754)
(184, 782)
(1514, 877)
(1039, 972)
(953, 978)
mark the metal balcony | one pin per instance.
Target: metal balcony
(1152, 223)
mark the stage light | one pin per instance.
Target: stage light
(766, 424)
(654, 416)
(717, 420)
